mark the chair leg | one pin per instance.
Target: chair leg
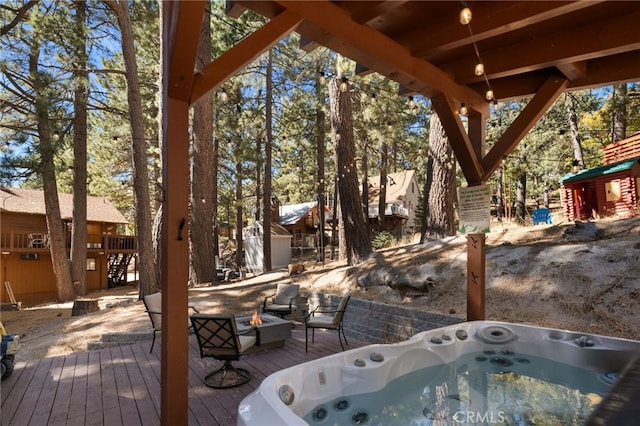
(153, 342)
(306, 338)
(227, 376)
(341, 330)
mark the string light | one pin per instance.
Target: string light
(489, 94)
(344, 85)
(412, 102)
(465, 14)
(322, 78)
(223, 95)
(463, 109)
(465, 19)
(373, 98)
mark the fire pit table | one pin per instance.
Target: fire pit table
(273, 330)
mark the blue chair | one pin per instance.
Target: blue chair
(542, 215)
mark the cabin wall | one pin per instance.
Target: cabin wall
(605, 196)
(29, 270)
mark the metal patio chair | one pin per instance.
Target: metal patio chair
(327, 317)
(218, 338)
(281, 303)
(153, 306)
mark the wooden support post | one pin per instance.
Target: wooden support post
(476, 249)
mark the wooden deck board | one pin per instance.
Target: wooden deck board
(121, 385)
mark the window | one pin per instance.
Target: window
(612, 190)
(91, 264)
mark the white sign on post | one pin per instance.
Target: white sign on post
(474, 209)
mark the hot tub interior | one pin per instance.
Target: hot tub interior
(473, 373)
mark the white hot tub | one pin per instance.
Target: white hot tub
(480, 372)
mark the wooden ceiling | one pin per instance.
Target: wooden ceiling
(423, 46)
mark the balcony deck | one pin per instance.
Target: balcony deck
(39, 243)
(121, 385)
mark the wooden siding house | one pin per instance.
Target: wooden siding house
(401, 200)
(605, 191)
(301, 220)
(26, 259)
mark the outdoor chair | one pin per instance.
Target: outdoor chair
(281, 303)
(542, 215)
(218, 338)
(153, 306)
(327, 317)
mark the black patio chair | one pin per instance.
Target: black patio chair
(327, 317)
(218, 338)
(281, 303)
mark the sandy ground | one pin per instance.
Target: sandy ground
(583, 278)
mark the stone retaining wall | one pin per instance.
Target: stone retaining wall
(365, 321)
(374, 322)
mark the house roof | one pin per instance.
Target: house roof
(396, 188)
(31, 201)
(620, 166)
(275, 229)
(291, 214)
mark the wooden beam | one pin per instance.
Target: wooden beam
(180, 35)
(489, 20)
(603, 38)
(374, 50)
(537, 106)
(476, 271)
(184, 34)
(464, 150)
(230, 62)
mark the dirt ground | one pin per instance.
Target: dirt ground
(582, 277)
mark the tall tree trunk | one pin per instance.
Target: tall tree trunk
(521, 196)
(266, 224)
(573, 126)
(442, 194)
(320, 147)
(365, 189)
(358, 245)
(500, 190)
(620, 112)
(239, 221)
(258, 176)
(382, 200)
(148, 279)
(201, 224)
(424, 220)
(55, 226)
(79, 225)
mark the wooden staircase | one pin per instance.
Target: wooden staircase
(117, 265)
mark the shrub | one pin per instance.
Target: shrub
(382, 240)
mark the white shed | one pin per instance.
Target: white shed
(253, 247)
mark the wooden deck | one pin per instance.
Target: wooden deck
(121, 385)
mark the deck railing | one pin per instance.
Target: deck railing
(39, 242)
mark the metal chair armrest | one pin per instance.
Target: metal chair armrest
(252, 330)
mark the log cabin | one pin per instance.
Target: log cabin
(26, 259)
(610, 190)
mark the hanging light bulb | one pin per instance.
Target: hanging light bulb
(463, 109)
(465, 14)
(489, 95)
(223, 95)
(373, 98)
(321, 79)
(479, 70)
(344, 85)
(412, 102)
